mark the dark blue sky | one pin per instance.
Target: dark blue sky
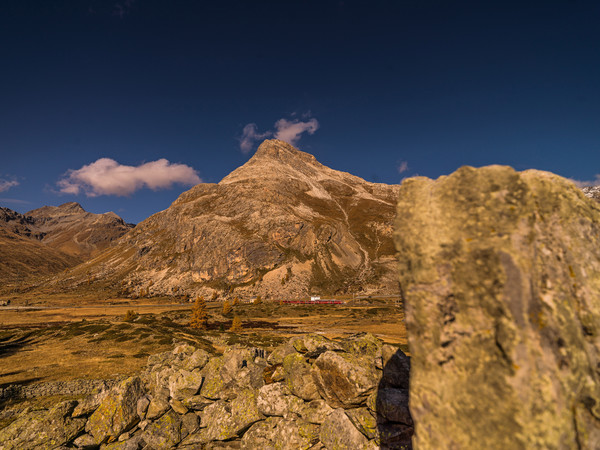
(431, 84)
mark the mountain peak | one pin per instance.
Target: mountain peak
(275, 158)
(275, 149)
(71, 207)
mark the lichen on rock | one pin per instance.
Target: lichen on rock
(501, 276)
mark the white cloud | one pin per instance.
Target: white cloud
(289, 131)
(402, 167)
(251, 135)
(581, 184)
(5, 185)
(107, 177)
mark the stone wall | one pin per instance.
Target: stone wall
(308, 393)
(75, 387)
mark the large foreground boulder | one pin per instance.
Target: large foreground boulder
(501, 274)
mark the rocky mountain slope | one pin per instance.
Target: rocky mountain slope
(281, 224)
(71, 229)
(50, 239)
(22, 258)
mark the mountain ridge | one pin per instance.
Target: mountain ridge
(281, 224)
(50, 239)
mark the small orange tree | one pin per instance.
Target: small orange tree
(236, 325)
(236, 301)
(199, 315)
(227, 308)
(257, 300)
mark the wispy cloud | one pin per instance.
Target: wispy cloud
(5, 185)
(581, 184)
(121, 9)
(107, 177)
(289, 131)
(402, 167)
(250, 135)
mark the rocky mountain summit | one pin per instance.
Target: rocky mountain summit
(501, 275)
(282, 224)
(50, 239)
(308, 393)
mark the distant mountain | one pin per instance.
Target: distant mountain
(281, 225)
(592, 192)
(50, 239)
(71, 229)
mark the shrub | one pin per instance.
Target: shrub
(258, 300)
(130, 316)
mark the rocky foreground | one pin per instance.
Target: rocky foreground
(308, 393)
(501, 274)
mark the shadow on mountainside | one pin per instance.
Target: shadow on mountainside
(394, 421)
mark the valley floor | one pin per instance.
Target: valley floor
(56, 342)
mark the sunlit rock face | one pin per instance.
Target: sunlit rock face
(501, 276)
(282, 224)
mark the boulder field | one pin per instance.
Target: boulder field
(309, 393)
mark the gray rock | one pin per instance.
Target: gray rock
(164, 432)
(142, 406)
(362, 344)
(315, 411)
(500, 273)
(298, 377)
(42, 429)
(118, 411)
(190, 423)
(338, 432)
(315, 342)
(344, 379)
(396, 367)
(394, 436)
(89, 404)
(196, 402)
(213, 384)
(158, 405)
(177, 406)
(276, 400)
(364, 421)
(86, 442)
(279, 433)
(280, 352)
(240, 369)
(225, 420)
(392, 405)
(133, 443)
(184, 383)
